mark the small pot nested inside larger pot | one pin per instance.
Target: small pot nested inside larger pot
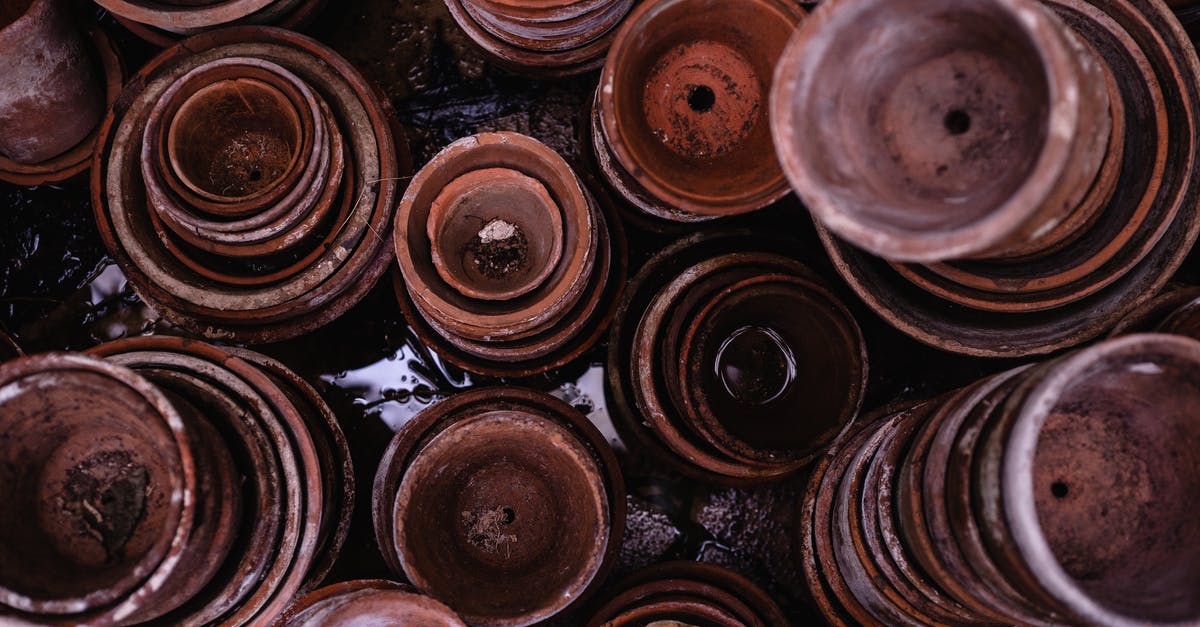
(53, 95)
(924, 131)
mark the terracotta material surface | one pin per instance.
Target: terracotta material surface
(368, 601)
(472, 499)
(688, 593)
(318, 272)
(1031, 497)
(705, 371)
(682, 106)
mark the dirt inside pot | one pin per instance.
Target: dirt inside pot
(106, 492)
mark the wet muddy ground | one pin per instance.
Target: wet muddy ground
(58, 290)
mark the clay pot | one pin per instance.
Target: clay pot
(279, 269)
(706, 372)
(165, 22)
(507, 259)
(367, 601)
(298, 494)
(136, 493)
(75, 74)
(1006, 73)
(1034, 300)
(503, 503)
(1044, 449)
(690, 593)
(559, 38)
(680, 124)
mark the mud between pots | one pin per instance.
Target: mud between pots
(105, 496)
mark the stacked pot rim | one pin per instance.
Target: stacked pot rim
(685, 592)
(489, 509)
(250, 500)
(510, 265)
(164, 23)
(1045, 261)
(1074, 469)
(706, 371)
(556, 38)
(368, 600)
(679, 124)
(246, 182)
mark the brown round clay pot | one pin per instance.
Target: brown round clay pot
(898, 169)
(286, 442)
(681, 111)
(690, 593)
(521, 519)
(538, 38)
(702, 367)
(1034, 305)
(53, 94)
(184, 19)
(101, 478)
(372, 601)
(1097, 473)
(507, 259)
(315, 279)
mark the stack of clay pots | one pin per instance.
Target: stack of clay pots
(166, 479)
(689, 593)
(58, 81)
(543, 37)
(509, 264)
(1176, 311)
(679, 125)
(732, 361)
(245, 184)
(1022, 175)
(164, 22)
(503, 503)
(367, 602)
(1061, 493)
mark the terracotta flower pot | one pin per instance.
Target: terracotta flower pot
(292, 266)
(899, 172)
(299, 488)
(521, 520)
(705, 371)
(1041, 450)
(1035, 300)
(103, 495)
(59, 79)
(164, 22)
(506, 257)
(680, 123)
(368, 601)
(547, 39)
(688, 593)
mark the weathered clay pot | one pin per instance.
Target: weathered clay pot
(284, 439)
(372, 601)
(59, 78)
(53, 95)
(898, 169)
(102, 497)
(706, 372)
(1023, 498)
(689, 593)
(501, 502)
(547, 39)
(1039, 302)
(507, 259)
(680, 123)
(321, 270)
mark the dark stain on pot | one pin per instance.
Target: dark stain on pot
(106, 494)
